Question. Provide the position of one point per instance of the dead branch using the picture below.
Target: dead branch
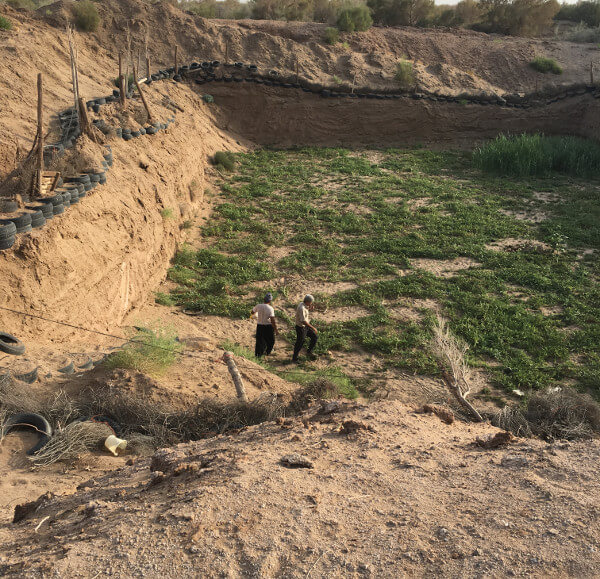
(450, 355)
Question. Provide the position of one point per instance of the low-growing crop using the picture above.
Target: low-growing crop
(385, 224)
(544, 65)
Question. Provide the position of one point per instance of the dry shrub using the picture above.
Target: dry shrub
(560, 413)
(17, 396)
(71, 441)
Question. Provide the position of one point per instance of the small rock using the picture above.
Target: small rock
(553, 531)
(296, 461)
(443, 534)
(514, 461)
(351, 426)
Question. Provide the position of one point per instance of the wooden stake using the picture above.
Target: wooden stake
(226, 51)
(236, 376)
(138, 60)
(353, 83)
(84, 121)
(137, 84)
(147, 67)
(40, 134)
(297, 75)
(121, 80)
(176, 51)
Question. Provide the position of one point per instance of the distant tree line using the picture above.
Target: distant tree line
(514, 17)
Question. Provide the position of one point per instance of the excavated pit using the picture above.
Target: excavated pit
(277, 117)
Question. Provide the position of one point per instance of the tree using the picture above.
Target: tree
(401, 12)
(355, 18)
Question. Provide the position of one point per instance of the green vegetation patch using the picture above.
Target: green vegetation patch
(150, 350)
(397, 228)
(545, 65)
(86, 16)
(5, 23)
(538, 155)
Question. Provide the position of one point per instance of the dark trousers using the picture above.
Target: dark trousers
(301, 333)
(265, 340)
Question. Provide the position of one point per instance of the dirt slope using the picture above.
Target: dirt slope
(410, 496)
(446, 61)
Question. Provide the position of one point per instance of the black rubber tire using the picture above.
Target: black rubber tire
(11, 345)
(68, 369)
(56, 199)
(28, 377)
(32, 420)
(81, 178)
(9, 206)
(8, 230)
(7, 243)
(20, 221)
(45, 208)
(37, 219)
(58, 209)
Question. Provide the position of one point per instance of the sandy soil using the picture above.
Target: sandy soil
(405, 494)
(408, 494)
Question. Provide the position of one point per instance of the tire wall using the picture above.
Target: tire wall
(278, 117)
(95, 263)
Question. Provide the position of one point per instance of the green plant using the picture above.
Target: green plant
(336, 79)
(167, 213)
(86, 16)
(164, 299)
(544, 65)
(5, 23)
(332, 35)
(187, 224)
(354, 19)
(224, 161)
(151, 351)
(208, 98)
(525, 155)
(129, 82)
(405, 74)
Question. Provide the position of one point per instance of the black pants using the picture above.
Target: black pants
(265, 340)
(301, 333)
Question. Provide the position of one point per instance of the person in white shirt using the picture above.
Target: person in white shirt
(304, 328)
(266, 327)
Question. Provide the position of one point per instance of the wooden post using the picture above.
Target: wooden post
(84, 122)
(139, 88)
(297, 75)
(138, 60)
(226, 51)
(121, 81)
(353, 83)
(176, 51)
(235, 374)
(147, 68)
(40, 135)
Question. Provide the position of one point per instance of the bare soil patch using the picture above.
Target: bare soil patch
(513, 244)
(444, 268)
(343, 314)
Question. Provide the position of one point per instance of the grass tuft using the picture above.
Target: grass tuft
(545, 65)
(5, 23)
(151, 351)
(538, 155)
